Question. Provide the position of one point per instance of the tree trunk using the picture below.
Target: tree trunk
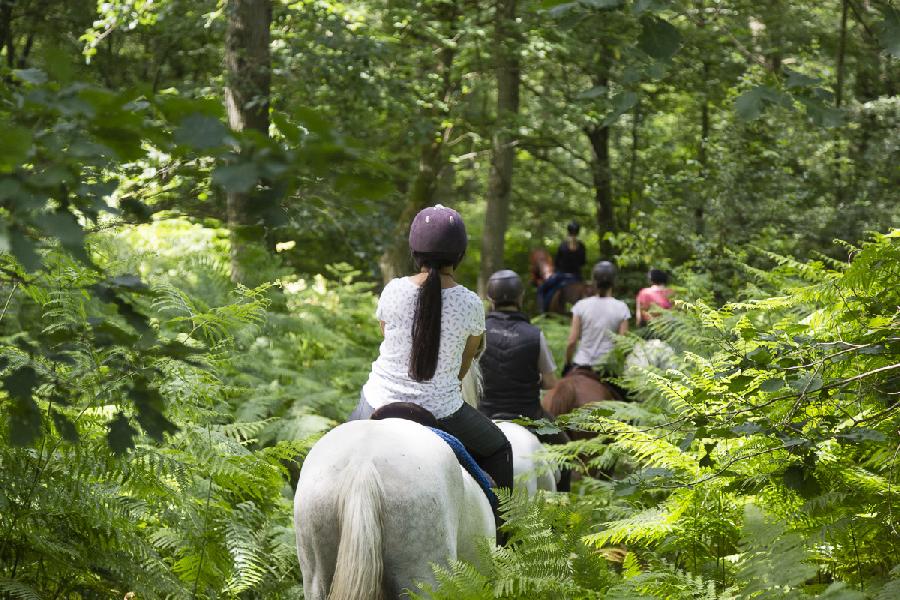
(603, 197)
(840, 183)
(6, 32)
(702, 159)
(700, 195)
(842, 47)
(634, 190)
(248, 81)
(503, 143)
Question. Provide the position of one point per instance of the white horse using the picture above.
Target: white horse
(530, 470)
(379, 502)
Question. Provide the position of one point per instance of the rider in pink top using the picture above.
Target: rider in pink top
(657, 295)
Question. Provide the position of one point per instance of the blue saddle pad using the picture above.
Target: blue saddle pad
(468, 463)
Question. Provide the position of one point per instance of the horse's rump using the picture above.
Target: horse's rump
(392, 478)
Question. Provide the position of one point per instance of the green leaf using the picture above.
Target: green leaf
(130, 282)
(287, 129)
(62, 225)
(201, 132)
(807, 382)
(760, 356)
(149, 403)
(801, 480)
(24, 250)
(822, 114)
(749, 105)
(796, 79)
(240, 178)
(14, 148)
(24, 414)
(658, 38)
(622, 103)
(739, 383)
(594, 92)
(861, 434)
(120, 434)
(20, 383)
(107, 333)
(772, 385)
(65, 427)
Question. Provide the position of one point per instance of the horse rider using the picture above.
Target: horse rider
(517, 361)
(570, 258)
(650, 300)
(571, 254)
(433, 327)
(595, 320)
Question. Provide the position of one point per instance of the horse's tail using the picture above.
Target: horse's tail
(359, 567)
(473, 382)
(473, 385)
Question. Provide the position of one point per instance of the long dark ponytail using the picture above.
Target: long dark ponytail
(426, 328)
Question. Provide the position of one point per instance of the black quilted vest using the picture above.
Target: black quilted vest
(509, 365)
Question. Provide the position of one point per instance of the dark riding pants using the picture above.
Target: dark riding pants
(481, 437)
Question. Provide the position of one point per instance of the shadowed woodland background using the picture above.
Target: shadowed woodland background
(200, 200)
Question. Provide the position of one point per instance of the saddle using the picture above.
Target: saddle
(417, 414)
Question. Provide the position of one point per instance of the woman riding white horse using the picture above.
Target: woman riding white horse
(378, 501)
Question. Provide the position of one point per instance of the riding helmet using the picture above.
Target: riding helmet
(573, 228)
(504, 287)
(604, 273)
(438, 229)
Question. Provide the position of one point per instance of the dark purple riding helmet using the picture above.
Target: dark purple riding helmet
(438, 229)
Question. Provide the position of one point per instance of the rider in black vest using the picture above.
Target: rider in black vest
(516, 362)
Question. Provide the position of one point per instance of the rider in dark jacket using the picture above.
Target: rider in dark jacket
(570, 258)
(516, 362)
(571, 255)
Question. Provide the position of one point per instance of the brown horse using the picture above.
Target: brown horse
(541, 268)
(578, 388)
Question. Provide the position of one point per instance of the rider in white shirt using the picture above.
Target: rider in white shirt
(595, 320)
(433, 328)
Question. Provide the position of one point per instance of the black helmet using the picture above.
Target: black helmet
(658, 277)
(604, 273)
(438, 229)
(573, 228)
(504, 287)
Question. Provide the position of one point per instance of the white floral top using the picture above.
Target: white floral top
(462, 315)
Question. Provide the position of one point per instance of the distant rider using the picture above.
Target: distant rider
(650, 300)
(570, 258)
(595, 320)
(571, 255)
(433, 328)
(517, 361)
